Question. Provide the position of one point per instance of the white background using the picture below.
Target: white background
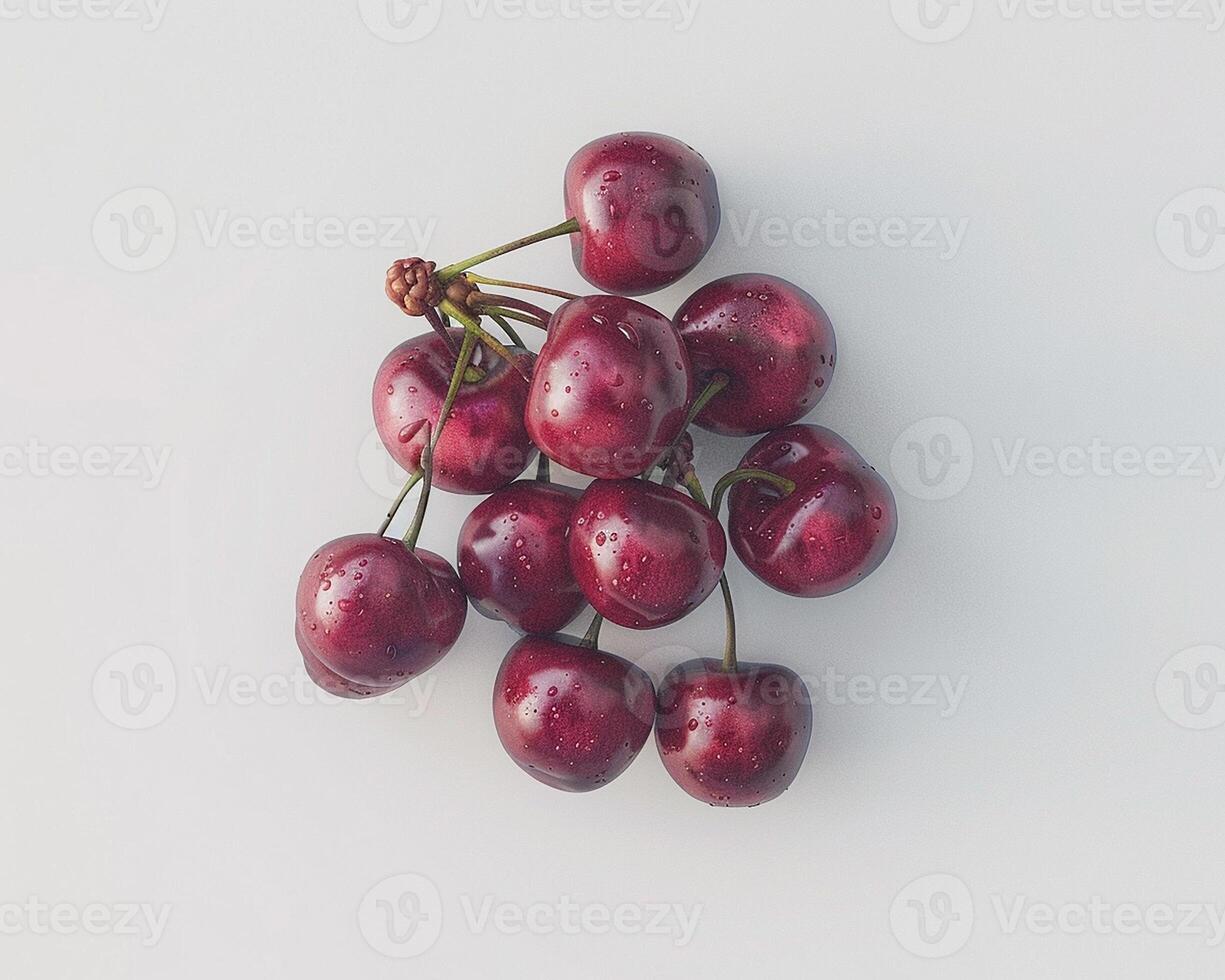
(1074, 309)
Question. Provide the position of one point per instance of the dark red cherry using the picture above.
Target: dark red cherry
(513, 559)
(645, 555)
(572, 717)
(833, 530)
(733, 738)
(771, 339)
(484, 444)
(610, 388)
(371, 614)
(647, 208)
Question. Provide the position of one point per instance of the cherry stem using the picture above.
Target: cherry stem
(543, 469)
(427, 468)
(717, 383)
(473, 328)
(457, 378)
(483, 301)
(694, 486)
(502, 311)
(440, 328)
(511, 333)
(448, 274)
(591, 639)
(530, 287)
(787, 487)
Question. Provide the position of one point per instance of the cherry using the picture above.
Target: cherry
(771, 340)
(645, 555)
(836, 527)
(484, 444)
(733, 737)
(610, 387)
(372, 614)
(571, 716)
(513, 560)
(647, 208)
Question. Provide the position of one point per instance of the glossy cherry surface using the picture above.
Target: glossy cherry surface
(513, 558)
(648, 211)
(733, 738)
(571, 717)
(836, 527)
(484, 444)
(371, 614)
(610, 388)
(645, 555)
(772, 340)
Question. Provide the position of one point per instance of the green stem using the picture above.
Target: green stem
(473, 328)
(591, 639)
(694, 486)
(448, 274)
(511, 333)
(427, 468)
(717, 383)
(530, 287)
(482, 301)
(738, 476)
(515, 315)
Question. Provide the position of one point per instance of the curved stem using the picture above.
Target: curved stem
(543, 467)
(591, 639)
(502, 311)
(717, 383)
(473, 328)
(694, 486)
(457, 378)
(423, 502)
(450, 272)
(483, 301)
(511, 333)
(738, 476)
(530, 287)
(440, 328)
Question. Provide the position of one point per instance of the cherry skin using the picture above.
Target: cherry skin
(647, 208)
(572, 717)
(733, 738)
(645, 555)
(513, 560)
(371, 614)
(484, 444)
(836, 527)
(610, 387)
(772, 340)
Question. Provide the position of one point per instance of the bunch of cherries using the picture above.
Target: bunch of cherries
(611, 395)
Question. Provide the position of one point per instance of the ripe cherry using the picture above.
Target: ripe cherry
(733, 737)
(513, 559)
(773, 342)
(610, 387)
(645, 555)
(484, 444)
(647, 208)
(835, 528)
(372, 614)
(570, 716)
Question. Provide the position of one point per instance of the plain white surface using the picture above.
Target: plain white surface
(1079, 156)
